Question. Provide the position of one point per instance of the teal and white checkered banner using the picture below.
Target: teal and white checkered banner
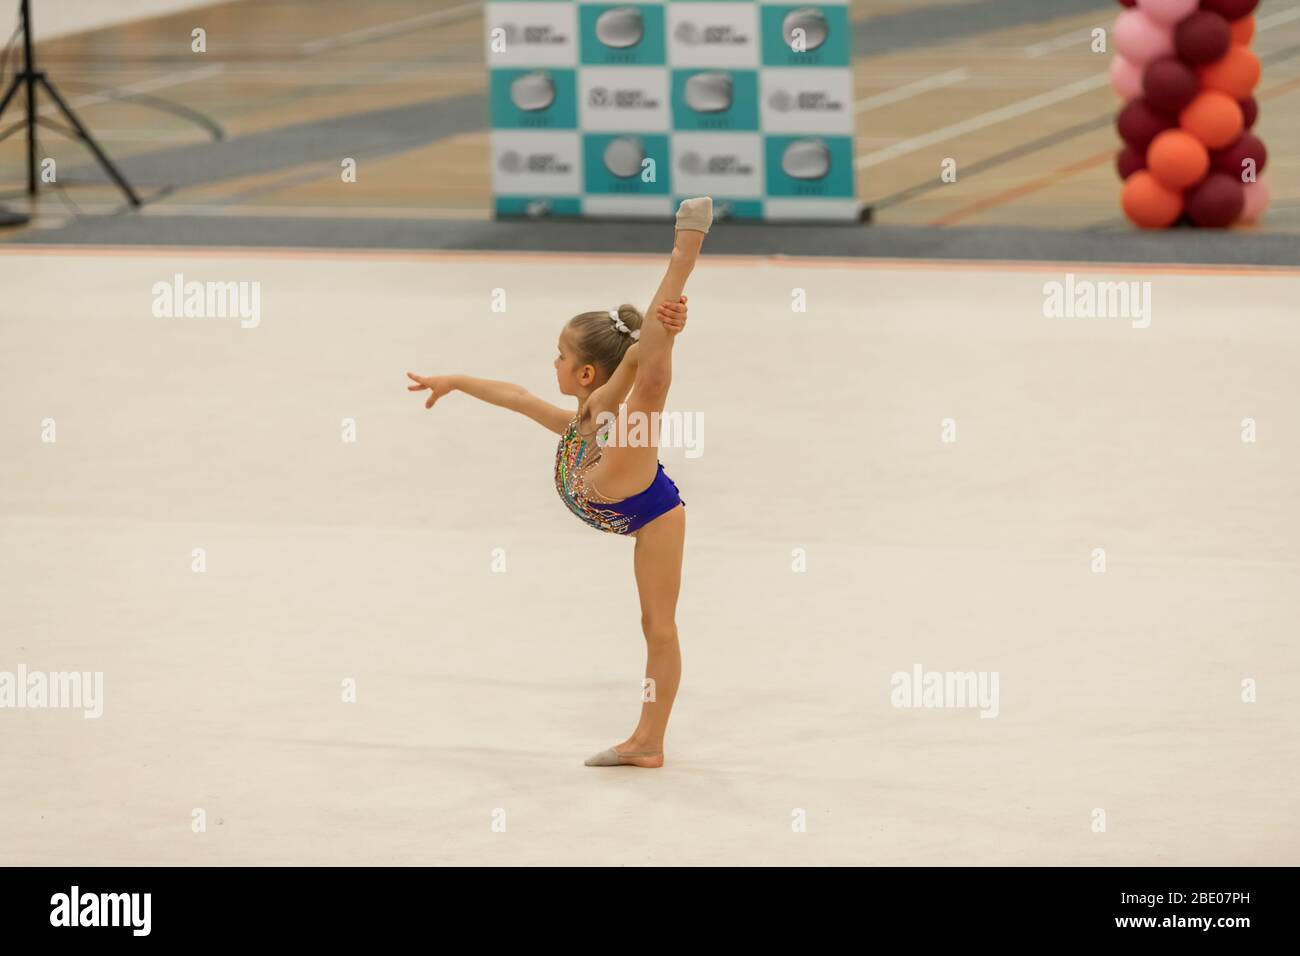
(623, 110)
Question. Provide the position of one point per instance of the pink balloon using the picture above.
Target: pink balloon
(1126, 78)
(1141, 39)
(1168, 11)
(1256, 200)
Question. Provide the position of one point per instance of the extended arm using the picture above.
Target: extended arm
(502, 394)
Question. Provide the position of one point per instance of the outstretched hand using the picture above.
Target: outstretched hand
(438, 386)
(673, 315)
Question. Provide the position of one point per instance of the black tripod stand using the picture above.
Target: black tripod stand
(29, 77)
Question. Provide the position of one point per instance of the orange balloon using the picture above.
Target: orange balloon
(1214, 117)
(1177, 159)
(1243, 30)
(1235, 73)
(1149, 204)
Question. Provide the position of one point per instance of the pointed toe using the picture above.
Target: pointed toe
(606, 758)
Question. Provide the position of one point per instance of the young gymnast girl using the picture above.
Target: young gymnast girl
(620, 487)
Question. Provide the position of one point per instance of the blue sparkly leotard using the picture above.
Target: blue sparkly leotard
(575, 458)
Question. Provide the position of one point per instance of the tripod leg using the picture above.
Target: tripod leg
(86, 138)
(9, 94)
(31, 133)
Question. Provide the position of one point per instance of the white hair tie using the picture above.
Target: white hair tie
(618, 324)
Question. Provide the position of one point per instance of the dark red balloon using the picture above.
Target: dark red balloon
(1230, 160)
(1229, 9)
(1202, 38)
(1128, 161)
(1139, 124)
(1128, 3)
(1250, 110)
(1217, 202)
(1169, 85)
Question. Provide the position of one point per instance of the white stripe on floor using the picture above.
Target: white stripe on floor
(912, 89)
(1058, 43)
(991, 118)
(389, 29)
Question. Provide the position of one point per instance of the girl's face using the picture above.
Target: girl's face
(572, 375)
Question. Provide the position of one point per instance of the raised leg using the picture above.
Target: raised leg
(626, 470)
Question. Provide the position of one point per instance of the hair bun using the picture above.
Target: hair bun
(620, 325)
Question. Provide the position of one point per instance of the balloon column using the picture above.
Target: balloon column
(1187, 76)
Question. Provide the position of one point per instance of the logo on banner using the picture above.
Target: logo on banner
(533, 34)
(720, 34)
(715, 164)
(804, 29)
(805, 101)
(719, 164)
(713, 35)
(622, 99)
(514, 162)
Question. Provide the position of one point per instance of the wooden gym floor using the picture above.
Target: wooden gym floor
(257, 125)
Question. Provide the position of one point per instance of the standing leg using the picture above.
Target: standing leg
(658, 565)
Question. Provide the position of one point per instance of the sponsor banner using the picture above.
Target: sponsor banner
(606, 109)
